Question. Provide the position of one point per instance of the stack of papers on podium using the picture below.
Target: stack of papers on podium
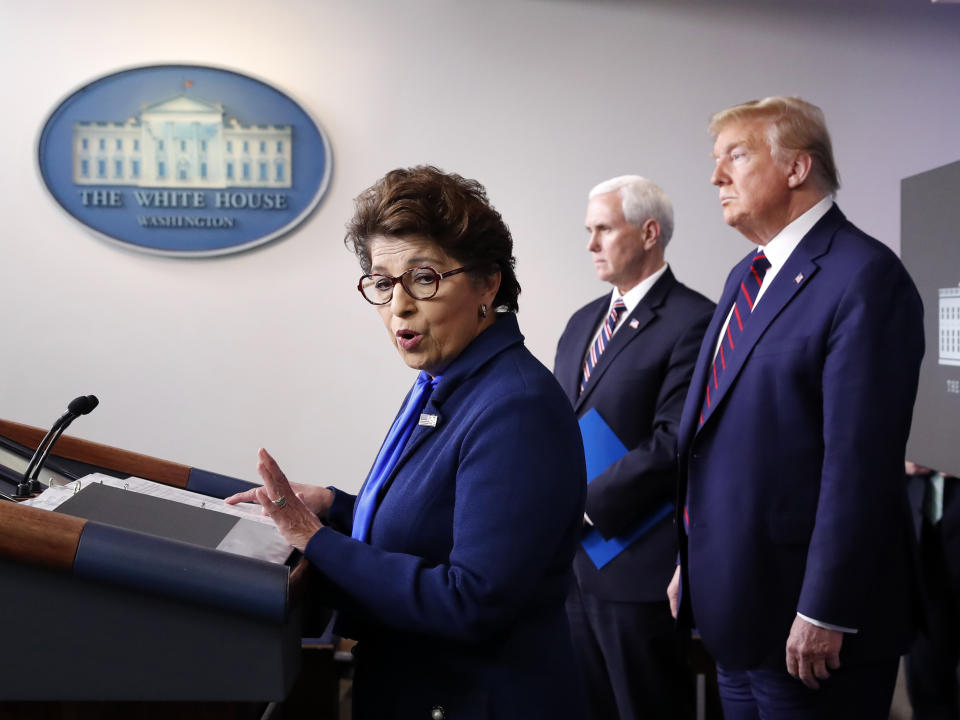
(171, 512)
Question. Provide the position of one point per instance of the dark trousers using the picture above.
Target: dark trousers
(932, 663)
(632, 659)
(863, 692)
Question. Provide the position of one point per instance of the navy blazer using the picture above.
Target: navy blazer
(638, 387)
(457, 601)
(794, 483)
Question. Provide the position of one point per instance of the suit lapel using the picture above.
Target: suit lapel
(420, 433)
(627, 333)
(417, 437)
(629, 329)
(796, 273)
(698, 382)
(582, 337)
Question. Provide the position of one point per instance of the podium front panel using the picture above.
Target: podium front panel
(72, 639)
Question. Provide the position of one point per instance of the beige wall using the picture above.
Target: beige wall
(203, 361)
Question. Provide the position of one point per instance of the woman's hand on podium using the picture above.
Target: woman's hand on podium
(315, 497)
(292, 506)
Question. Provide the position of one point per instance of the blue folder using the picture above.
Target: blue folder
(602, 448)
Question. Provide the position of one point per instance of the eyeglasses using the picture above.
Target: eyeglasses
(420, 283)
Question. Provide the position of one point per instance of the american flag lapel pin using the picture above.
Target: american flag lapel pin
(428, 420)
(798, 279)
(634, 323)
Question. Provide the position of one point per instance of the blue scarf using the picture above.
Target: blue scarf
(389, 455)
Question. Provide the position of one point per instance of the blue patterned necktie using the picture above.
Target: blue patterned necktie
(389, 455)
(603, 339)
(742, 307)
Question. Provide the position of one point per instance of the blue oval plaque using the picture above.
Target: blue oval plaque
(184, 160)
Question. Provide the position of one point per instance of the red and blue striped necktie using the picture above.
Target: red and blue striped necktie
(742, 307)
(602, 340)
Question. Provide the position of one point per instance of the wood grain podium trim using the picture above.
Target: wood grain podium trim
(39, 537)
(124, 461)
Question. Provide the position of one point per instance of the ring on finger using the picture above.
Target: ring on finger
(280, 502)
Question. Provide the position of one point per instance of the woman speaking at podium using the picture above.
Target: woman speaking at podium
(451, 566)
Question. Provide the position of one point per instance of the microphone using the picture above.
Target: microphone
(77, 407)
(82, 405)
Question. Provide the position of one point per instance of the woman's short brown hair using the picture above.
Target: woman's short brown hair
(448, 209)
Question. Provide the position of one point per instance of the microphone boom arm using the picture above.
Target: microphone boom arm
(77, 407)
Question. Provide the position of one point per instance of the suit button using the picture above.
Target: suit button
(437, 713)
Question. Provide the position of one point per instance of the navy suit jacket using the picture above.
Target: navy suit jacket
(457, 601)
(794, 483)
(638, 387)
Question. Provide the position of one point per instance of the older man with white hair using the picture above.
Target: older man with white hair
(625, 360)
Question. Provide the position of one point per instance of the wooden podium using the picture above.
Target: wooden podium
(97, 612)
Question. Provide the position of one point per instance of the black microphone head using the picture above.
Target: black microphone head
(82, 405)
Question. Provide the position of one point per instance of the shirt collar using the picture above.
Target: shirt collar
(785, 242)
(633, 296)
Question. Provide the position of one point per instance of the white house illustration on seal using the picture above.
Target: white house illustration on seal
(183, 142)
(949, 308)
